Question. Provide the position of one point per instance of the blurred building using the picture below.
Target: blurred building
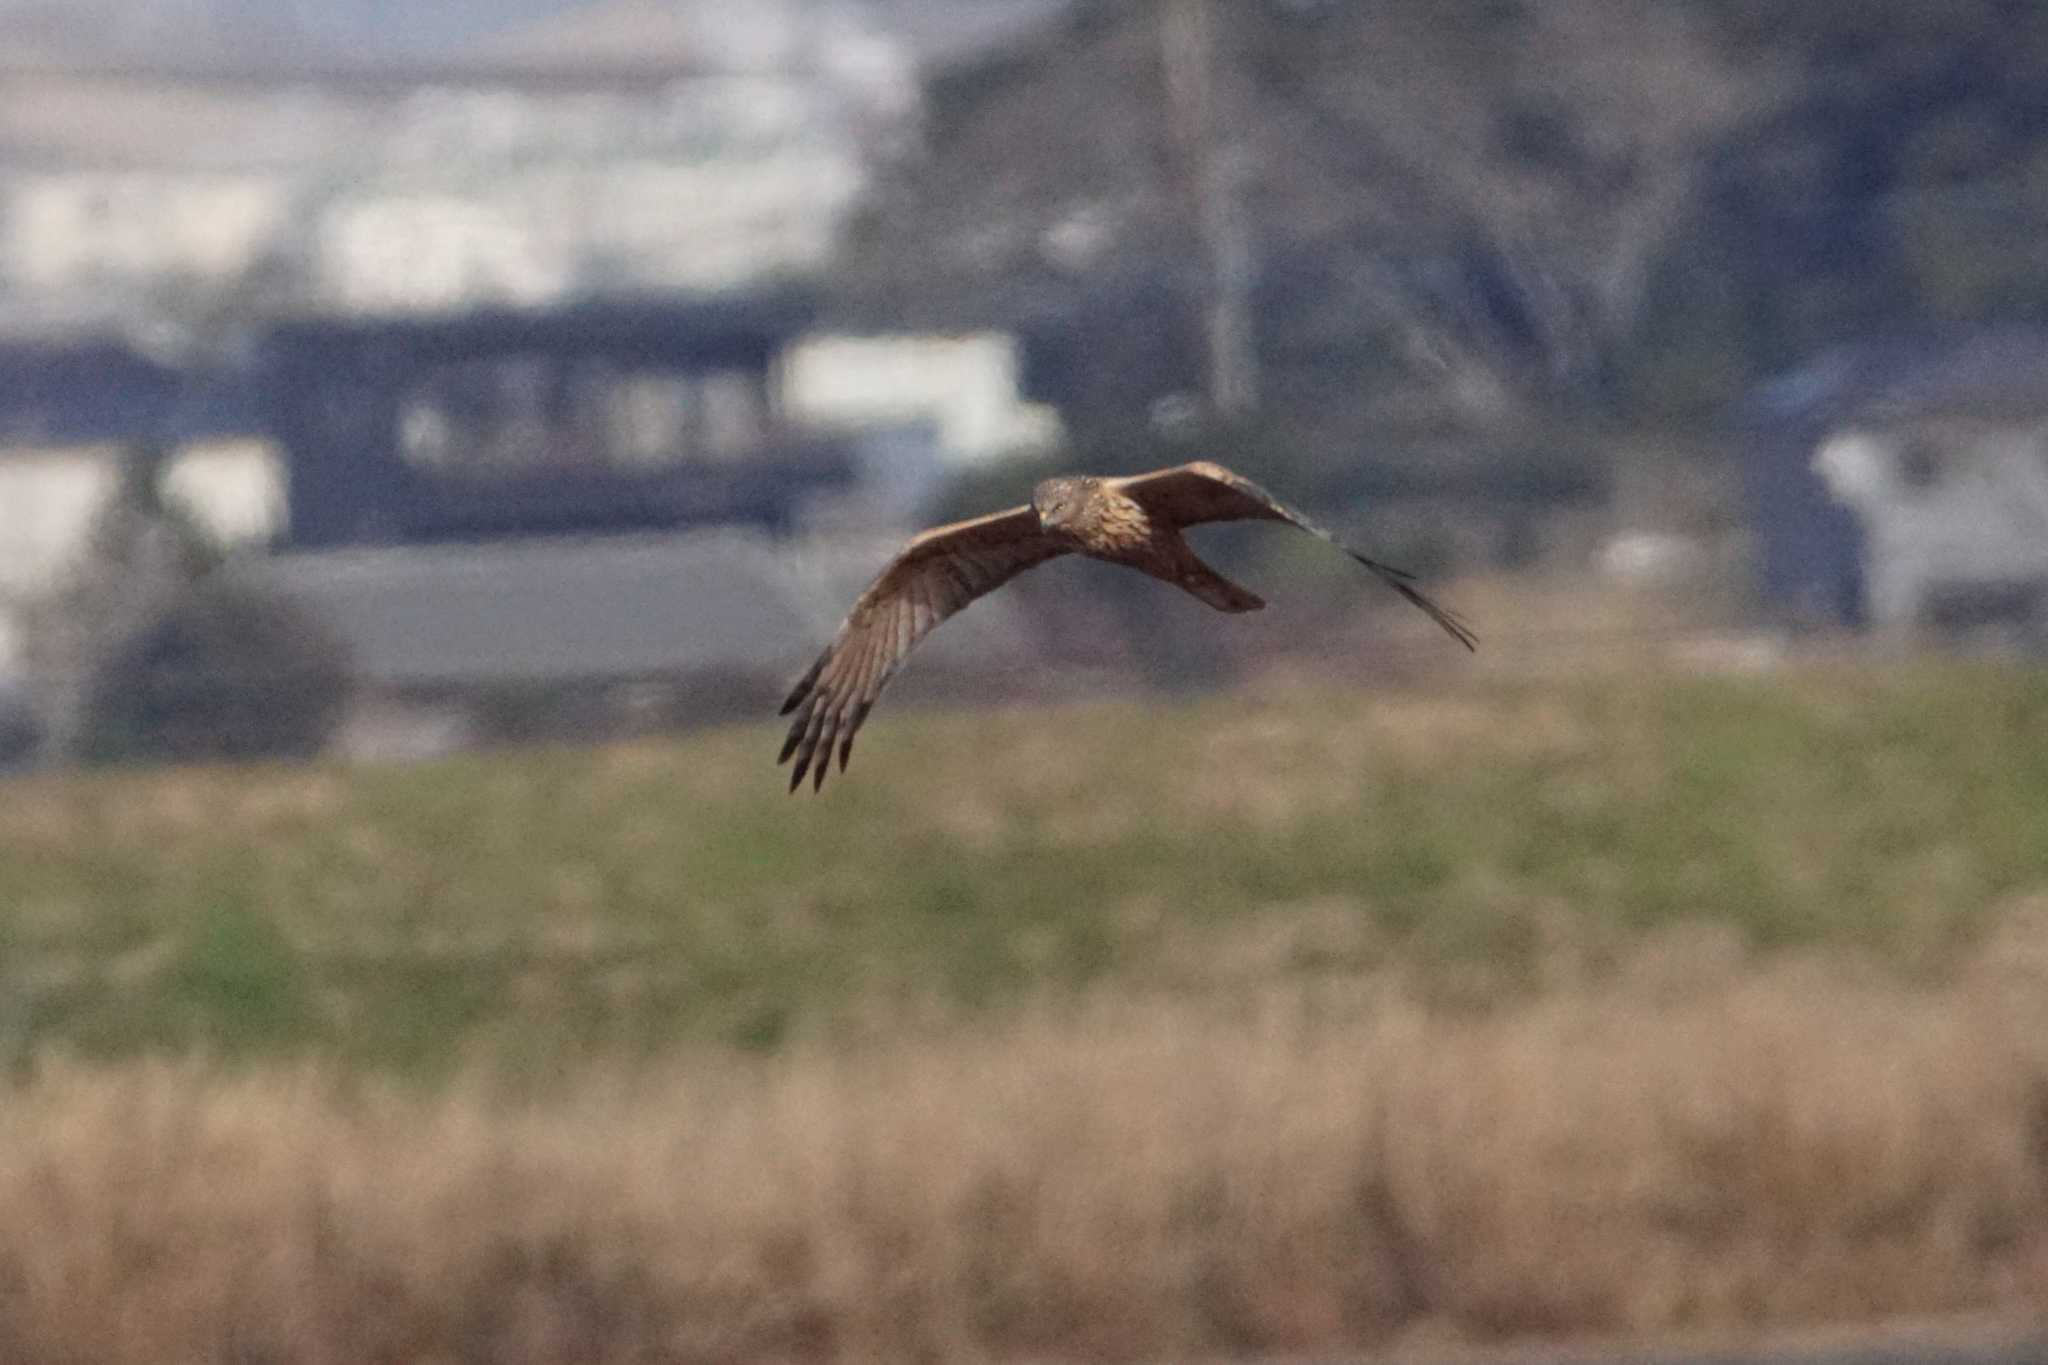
(605, 147)
(71, 408)
(130, 195)
(1905, 485)
(968, 387)
(505, 520)
(582, 514)
(489, 343)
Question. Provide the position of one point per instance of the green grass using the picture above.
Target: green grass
(531, 907)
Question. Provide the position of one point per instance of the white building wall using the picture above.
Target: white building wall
(427, 250)
(1983, 520)
(234, 490)
(967, 386)
(79, 229)
(47, 504)
(459, 194)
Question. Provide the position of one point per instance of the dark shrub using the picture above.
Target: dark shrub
(225, 671)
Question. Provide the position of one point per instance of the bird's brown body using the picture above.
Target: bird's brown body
(1133, 521)
(1108, 525)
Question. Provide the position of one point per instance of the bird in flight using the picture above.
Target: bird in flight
(1134, 521)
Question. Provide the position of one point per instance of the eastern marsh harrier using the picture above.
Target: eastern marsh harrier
(1133, 521)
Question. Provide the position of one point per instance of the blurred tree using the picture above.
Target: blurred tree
(1891, 189)
(1489, 209)
(1469, 200)
(138, 593)
(1538, 158)
(139, 557)
(147, 652)
(218, 671)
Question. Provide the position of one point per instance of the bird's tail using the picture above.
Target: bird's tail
(1203, 582)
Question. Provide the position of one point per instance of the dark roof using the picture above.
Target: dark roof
(765, 317)
(551, 611)
(1986, 371)
(79, 389)
(600, 608)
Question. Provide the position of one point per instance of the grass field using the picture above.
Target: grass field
(529, 907)
(1305, 1019)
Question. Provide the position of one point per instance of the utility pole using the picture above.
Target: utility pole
(1197, 112)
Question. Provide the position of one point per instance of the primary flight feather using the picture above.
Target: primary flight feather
(1134, 521)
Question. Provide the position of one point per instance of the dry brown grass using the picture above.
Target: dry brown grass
(1329, 1168)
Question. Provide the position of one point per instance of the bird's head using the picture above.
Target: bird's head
(1057, 500)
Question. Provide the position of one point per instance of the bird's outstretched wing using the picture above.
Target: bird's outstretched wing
(937, 574)
(1191, 494)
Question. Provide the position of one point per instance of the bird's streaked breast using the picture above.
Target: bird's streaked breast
(1112, 526)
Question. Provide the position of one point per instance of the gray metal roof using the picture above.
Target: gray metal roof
(585, 609)
(549, 611)
(1992, 371)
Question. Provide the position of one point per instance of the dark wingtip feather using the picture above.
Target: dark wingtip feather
(805, 753)
(811, 739)
(804, 756)
(1453, 625)
(1401, 581)
(820, 724)
(795, 736)
(802, 740)
(828, 734)
(805, 684)
(853, 724)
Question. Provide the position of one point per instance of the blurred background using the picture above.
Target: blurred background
(433, 434)
(388, 380)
